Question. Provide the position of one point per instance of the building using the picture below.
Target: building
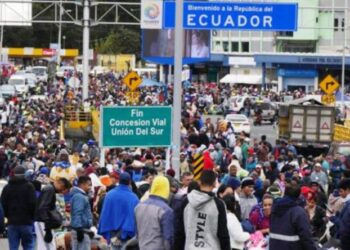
(292, 60)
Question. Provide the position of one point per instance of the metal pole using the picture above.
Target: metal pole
(343, 57)
(343, 78)
(1, 42)
(59, 35)
(179, 43)
(86, 41)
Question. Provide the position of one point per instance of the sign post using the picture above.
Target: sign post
(135, 126)
(132, 80)
(329, 85)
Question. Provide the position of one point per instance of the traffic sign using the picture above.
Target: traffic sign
(297, 124)
(133, 96)
(135, 126)
(239, 16)
(325, 126)
(329, 85)
(132, 80)
(328, 99)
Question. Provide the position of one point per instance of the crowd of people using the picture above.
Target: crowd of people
(251, 194)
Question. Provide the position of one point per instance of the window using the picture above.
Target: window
(336, 24)
(234, 46)
(342, 24)
(225, 46)
(245, 46)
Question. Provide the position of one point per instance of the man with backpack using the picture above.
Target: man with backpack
(47, 217)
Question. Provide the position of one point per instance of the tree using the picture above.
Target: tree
(121, 41)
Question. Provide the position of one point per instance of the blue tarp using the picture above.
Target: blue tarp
(338, 97)
(150, 83)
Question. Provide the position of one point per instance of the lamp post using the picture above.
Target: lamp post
(59, 34)
(64, 41)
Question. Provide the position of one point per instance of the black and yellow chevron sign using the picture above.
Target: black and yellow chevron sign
(197, 165)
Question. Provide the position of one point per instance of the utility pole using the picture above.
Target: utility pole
(343, 55)
(1, 42)
(59, 35)
(179, 44)
(86, 41)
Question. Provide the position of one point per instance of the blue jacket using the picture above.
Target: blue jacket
(290, 228)
(81, 216)
(344, 226)
(118, 213)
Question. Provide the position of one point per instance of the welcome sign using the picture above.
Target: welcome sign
(239, 16)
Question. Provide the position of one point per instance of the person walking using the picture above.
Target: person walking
(247, 200)
(81, 215)
(202, 222)
(18, 201)
(117, 221)
(47, 217)
(155, 219)
(289, 223)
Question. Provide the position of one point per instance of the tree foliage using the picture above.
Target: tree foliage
(121, 41)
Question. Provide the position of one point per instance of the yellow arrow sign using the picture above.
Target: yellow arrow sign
(329, 85)
(328, 99)
(132, 80)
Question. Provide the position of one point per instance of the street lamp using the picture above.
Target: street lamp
(61, 13)
(64, 41)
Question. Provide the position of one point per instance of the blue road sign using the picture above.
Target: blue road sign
(236, 16)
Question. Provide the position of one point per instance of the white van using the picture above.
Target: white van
(20, 84)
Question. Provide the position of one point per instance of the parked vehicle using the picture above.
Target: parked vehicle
(268, 111)
(60, 72)
(239, 123)
(237, 103)
(7, 90)
(20, 84)
(307, 124)
(41, 73)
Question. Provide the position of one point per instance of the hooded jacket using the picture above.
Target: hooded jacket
(158, 216)
(202, 223)
(290, 228)
(18, 201)
(81, 216)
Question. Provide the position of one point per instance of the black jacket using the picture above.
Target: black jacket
(46, 203)
(18, 201)
(290, 220)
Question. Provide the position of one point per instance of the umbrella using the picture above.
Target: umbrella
(150, 83)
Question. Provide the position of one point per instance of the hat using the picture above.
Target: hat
(233, 183)
(248, 181)
(19, 171)
(124, 178)
(160, 187)
(170, 172)
(318, 165)
(44, 170)
(258, 166)
(275, 191)
(115, 175)
(106, 180)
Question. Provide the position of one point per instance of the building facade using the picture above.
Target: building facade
(292, 60)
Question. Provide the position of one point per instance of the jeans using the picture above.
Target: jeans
(84, 245)
(21, 234)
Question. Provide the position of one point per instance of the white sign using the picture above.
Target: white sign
(241, 61)
(16, 12)
(151, 14)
